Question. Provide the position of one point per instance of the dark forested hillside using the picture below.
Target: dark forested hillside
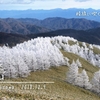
(90, 36)
(11, 39)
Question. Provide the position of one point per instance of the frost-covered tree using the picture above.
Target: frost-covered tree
(37, 54)
(91, 46)
(82, 80)
(1, 72)
(8, 64)
(84, 44)
(41, 54)
(96, 82)
(72, 73)
(76, 78)
(82, 50)
(66, 61)
(21, 67)
(78, 63)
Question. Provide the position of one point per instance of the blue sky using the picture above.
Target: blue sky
(48, 4)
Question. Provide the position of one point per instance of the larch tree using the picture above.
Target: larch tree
(72, 73)
(96, 82)
(78, 63)
(1, 72)
(82, 80)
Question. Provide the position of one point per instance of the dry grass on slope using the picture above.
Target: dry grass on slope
(59, 90)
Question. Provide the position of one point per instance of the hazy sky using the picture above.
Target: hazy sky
(47, 4)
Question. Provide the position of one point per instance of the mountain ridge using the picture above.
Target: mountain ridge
(33, 26)
(11, 25)
(55, 23)
(91, 36)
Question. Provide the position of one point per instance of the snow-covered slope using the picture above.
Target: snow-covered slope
(41, 54)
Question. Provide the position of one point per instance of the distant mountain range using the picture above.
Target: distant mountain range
(90, 14)
(34, 26)
(11, 25)
(56, 23)
(23, 29)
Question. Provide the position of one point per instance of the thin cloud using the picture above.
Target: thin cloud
(23, 1)
(82, 0)
(16, 1)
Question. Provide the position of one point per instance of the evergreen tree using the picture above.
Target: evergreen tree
(96, 82)
(1, 72)
(72, 73)
(78, 63)
(82, 80)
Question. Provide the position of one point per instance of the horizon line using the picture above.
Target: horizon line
(47, 9)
